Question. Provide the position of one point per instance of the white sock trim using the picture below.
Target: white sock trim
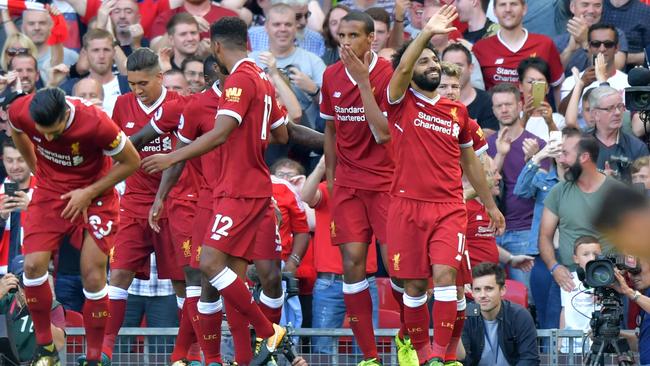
(271, 302)
(193, 291)
(396, 287)
(461, 304)
(223, 279)
(33, 282)
(180, 301)
(116, 293)
(445, 293)
(414, 302)
(208, 308)
(96, 295)
(355, 288)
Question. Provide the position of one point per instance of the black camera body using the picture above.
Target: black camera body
(599, 272)
(637, 95)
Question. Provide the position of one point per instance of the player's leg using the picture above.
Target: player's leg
(39, 293)
(271, 298)
(444, 308)
(209, 315)
(186, 336)
(417, 317)
(238, 323)
(95, 310)
(397, 290)
(190, 310)
(463, 276)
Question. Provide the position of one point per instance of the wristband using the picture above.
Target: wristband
(314, 93)
(555, 267)
(296, 258)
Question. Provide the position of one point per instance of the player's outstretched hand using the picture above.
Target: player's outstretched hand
(156, 163)
(440, 22)
(78, 203)
(358, 69)
(154, 214)
(497, 221)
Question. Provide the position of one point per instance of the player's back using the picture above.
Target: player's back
(294, 218)
(362, 162)
(248, 97)
(80, 155)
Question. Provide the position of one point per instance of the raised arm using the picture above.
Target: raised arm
(438, 24)
(310, 193)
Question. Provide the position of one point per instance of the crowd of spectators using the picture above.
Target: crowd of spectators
(550, 159)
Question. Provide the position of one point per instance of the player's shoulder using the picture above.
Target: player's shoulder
(383, 65)
(485, 43)
(539, 39)
(336, 68)
(20, 105)
(125, 100)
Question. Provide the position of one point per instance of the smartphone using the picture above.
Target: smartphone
(539, 92)
(11, 188)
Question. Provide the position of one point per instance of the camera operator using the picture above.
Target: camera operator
(640, 294)
(14, 306)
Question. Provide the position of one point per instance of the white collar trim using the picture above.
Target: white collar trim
(516, 49)
(373, 63)
(425, 98)
(161, 98)
(72, 112)
(215, 87)
(245, 59)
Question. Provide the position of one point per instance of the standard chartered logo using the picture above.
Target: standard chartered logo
(437, 124)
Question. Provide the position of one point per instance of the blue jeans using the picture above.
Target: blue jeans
(69, 292)
(328, 311)
(546, 294)
(161, 312)
(517, 242)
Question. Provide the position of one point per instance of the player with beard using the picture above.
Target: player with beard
(430, 137)
(248, 116)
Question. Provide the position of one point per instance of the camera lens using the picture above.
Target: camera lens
(601, 274)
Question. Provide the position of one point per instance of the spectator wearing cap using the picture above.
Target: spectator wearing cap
(14, 306)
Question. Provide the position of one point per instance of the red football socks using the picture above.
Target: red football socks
(359, 311)
(116, 308)
(400, 301)
(241, 334)
(185, 336)
(239, 297)
(39, 303)
(444, 317)
(417, 325)
(455, 336)
(95, 314)
(210, 340)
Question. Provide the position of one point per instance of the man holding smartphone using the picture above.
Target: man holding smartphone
(15, 195)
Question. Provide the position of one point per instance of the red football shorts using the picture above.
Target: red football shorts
(44, 228)
(267, 241)
(234, 225)
(357, 214)
(418, 227)
(181, 218)
(202, 219)
(136, 240)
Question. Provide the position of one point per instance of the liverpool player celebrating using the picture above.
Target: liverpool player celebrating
(247, 114)
(359, 168)
(427, 214)
(73, 143)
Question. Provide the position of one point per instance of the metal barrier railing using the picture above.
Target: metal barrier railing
(153, 346)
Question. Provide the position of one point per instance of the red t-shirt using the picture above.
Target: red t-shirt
(480, 240)
(216, 12)
(480, 144)
(149, 11)
(499, 63)
(249, 98)
(361, 162)
(132, 116)
(198, 119)
(427, 136)
(327, 257)
(81, 155)
(294, 219)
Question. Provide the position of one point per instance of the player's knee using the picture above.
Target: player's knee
(34, 268)
(121, 278)
(444, 275)
(192, 276)
(94, 280)
(415, 288)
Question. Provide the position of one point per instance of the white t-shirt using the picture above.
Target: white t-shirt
(538, 127)
(111, 92)
(578, 306)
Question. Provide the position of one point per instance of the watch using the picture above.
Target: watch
(314, 93)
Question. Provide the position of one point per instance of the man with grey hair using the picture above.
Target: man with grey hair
(304, 38)
(89, 89)
(617, 149)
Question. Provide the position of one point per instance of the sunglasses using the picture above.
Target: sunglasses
(17, 51)
(306, 15)
(607, 44)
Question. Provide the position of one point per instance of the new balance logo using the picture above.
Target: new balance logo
(337, 94)
(130, 124)
(37, 139)
(499, 61)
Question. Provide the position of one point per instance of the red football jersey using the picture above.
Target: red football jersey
(481, 242)
(294, 219)
(81, 155)
(198, 119)
(248, 97)
(361, 162)
(479, 145)
(132, 115)
(499, 63)
(427, 136)
(327, 257)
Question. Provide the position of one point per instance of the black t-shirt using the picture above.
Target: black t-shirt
(481, 110)
(476, 36)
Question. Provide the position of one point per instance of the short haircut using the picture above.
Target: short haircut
(587, 143)
(210, 69)
(458, 47)
(640, 163)
(75, 86)
(450, 70)
(172, 72)
(380, 15)
(599, 93)
(48, 106)
(535, 63)
(143, 59)
(191, 58)
(279, 8)
(327, 35)
(488, 269)
(360, 16)
(599, 26)
(494, 5)
(506, 88)
(619, 201)
(23, 55)
(286, 162)
(397, 56)
(180, 18)
(231, 31)
(585, 239)
(8, 143)
(96, 33)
